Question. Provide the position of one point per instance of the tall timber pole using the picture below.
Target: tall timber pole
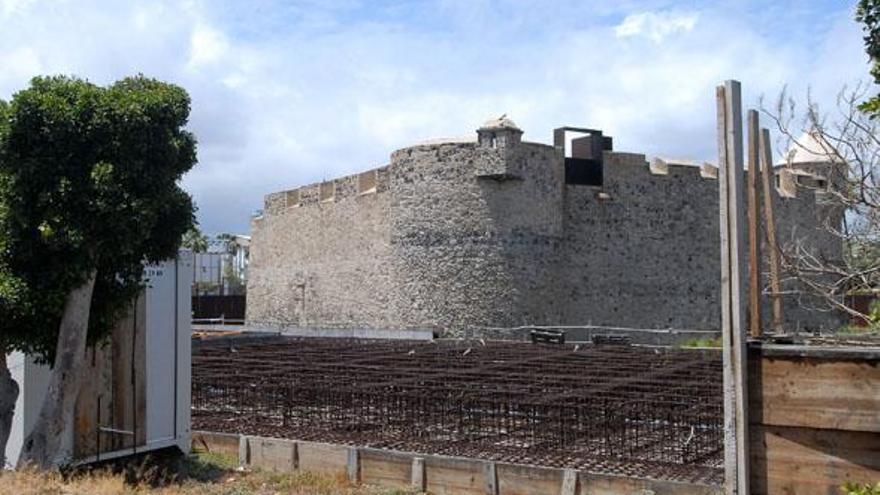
(733, 300)
(770, 225)
(754, 132)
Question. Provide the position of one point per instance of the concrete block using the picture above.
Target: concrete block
(272, 453)
(454, 476)
(527, 480)
(323, 458)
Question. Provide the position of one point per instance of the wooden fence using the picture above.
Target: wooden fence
(814, 418)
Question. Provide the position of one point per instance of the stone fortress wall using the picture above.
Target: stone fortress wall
(498, 232)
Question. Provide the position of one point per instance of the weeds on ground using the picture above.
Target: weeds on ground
(873, 328)
(702, 343)
(871, 325)
(861, 489)
(203, 474)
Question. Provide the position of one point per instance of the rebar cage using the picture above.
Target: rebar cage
(625, 409)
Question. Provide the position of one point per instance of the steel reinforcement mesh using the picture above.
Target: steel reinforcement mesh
(622, 409)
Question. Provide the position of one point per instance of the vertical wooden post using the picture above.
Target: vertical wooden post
(770, 226)
(491, 472)
(569, 482)
(418, 474)
(754, 224)
(730, 178)
(244, 451)
(726, 336)
(353, 467)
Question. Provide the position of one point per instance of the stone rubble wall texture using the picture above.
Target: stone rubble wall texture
(457, 236)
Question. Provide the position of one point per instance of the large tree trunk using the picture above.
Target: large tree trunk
(8, 396)
(49, 444)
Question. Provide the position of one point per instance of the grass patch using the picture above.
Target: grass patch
(702, 343)
(859, 330)
(200, 474)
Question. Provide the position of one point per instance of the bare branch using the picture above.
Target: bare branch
(842, 151)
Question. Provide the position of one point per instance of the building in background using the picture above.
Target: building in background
(223, 269)
(492, 231)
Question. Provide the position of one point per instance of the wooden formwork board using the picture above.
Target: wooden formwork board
(810, 461)
(815, 419)
(816, 393)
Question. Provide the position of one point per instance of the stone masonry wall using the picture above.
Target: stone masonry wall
(803, 219)
(647, 255)
(459, 235)
(323, 263)
(469, 249)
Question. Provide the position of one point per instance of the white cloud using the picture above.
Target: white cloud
(285, 95)
(13, 6)
(20, 63)
(207, 45)
(656, 26)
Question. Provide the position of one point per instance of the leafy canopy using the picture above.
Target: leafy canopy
(88, 181)
(195, 240)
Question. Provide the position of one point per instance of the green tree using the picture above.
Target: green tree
(89, 191)
(234, 284)
(228, 243)
(868, 13)
(195, 240)
(861, 488)
(11, 292)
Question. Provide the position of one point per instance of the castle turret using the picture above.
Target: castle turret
(499, 133)
(812, 162)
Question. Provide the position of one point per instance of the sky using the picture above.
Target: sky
(287, 93)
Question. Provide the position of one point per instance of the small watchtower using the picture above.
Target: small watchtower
(499, 133)
(810, 162)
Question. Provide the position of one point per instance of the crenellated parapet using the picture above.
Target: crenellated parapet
(662, 166)
(789, 181)
(362, 184)
(499, 154)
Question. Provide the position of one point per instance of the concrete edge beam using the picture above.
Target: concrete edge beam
(572, 481)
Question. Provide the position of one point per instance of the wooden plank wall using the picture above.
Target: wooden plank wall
(113, 393)
(815, 422)
(93, 404)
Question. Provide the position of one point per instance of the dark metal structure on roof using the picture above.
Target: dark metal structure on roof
(584, 164)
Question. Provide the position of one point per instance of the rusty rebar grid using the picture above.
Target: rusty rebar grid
(613, 406)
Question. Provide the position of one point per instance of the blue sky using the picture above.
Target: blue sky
(292, 92)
